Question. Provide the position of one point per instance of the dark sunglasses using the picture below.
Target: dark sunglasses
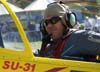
(52, 21)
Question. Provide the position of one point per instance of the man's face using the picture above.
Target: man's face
(54, 27)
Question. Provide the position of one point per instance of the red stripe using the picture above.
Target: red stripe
(56, 69)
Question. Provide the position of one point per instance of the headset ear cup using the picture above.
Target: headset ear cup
(43, 28)
(70, 19)
(67, 21)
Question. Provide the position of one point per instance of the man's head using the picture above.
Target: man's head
(62, 11)
(57, 18)
(55, 9)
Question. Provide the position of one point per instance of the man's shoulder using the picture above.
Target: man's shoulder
(80, 31)
(84, 35)
(79, 35)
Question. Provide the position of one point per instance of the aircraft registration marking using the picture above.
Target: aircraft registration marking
(26, 67)
(16, 65)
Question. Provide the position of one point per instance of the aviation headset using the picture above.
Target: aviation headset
(68, 17)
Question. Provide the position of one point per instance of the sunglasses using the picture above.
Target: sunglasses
(52, 21)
